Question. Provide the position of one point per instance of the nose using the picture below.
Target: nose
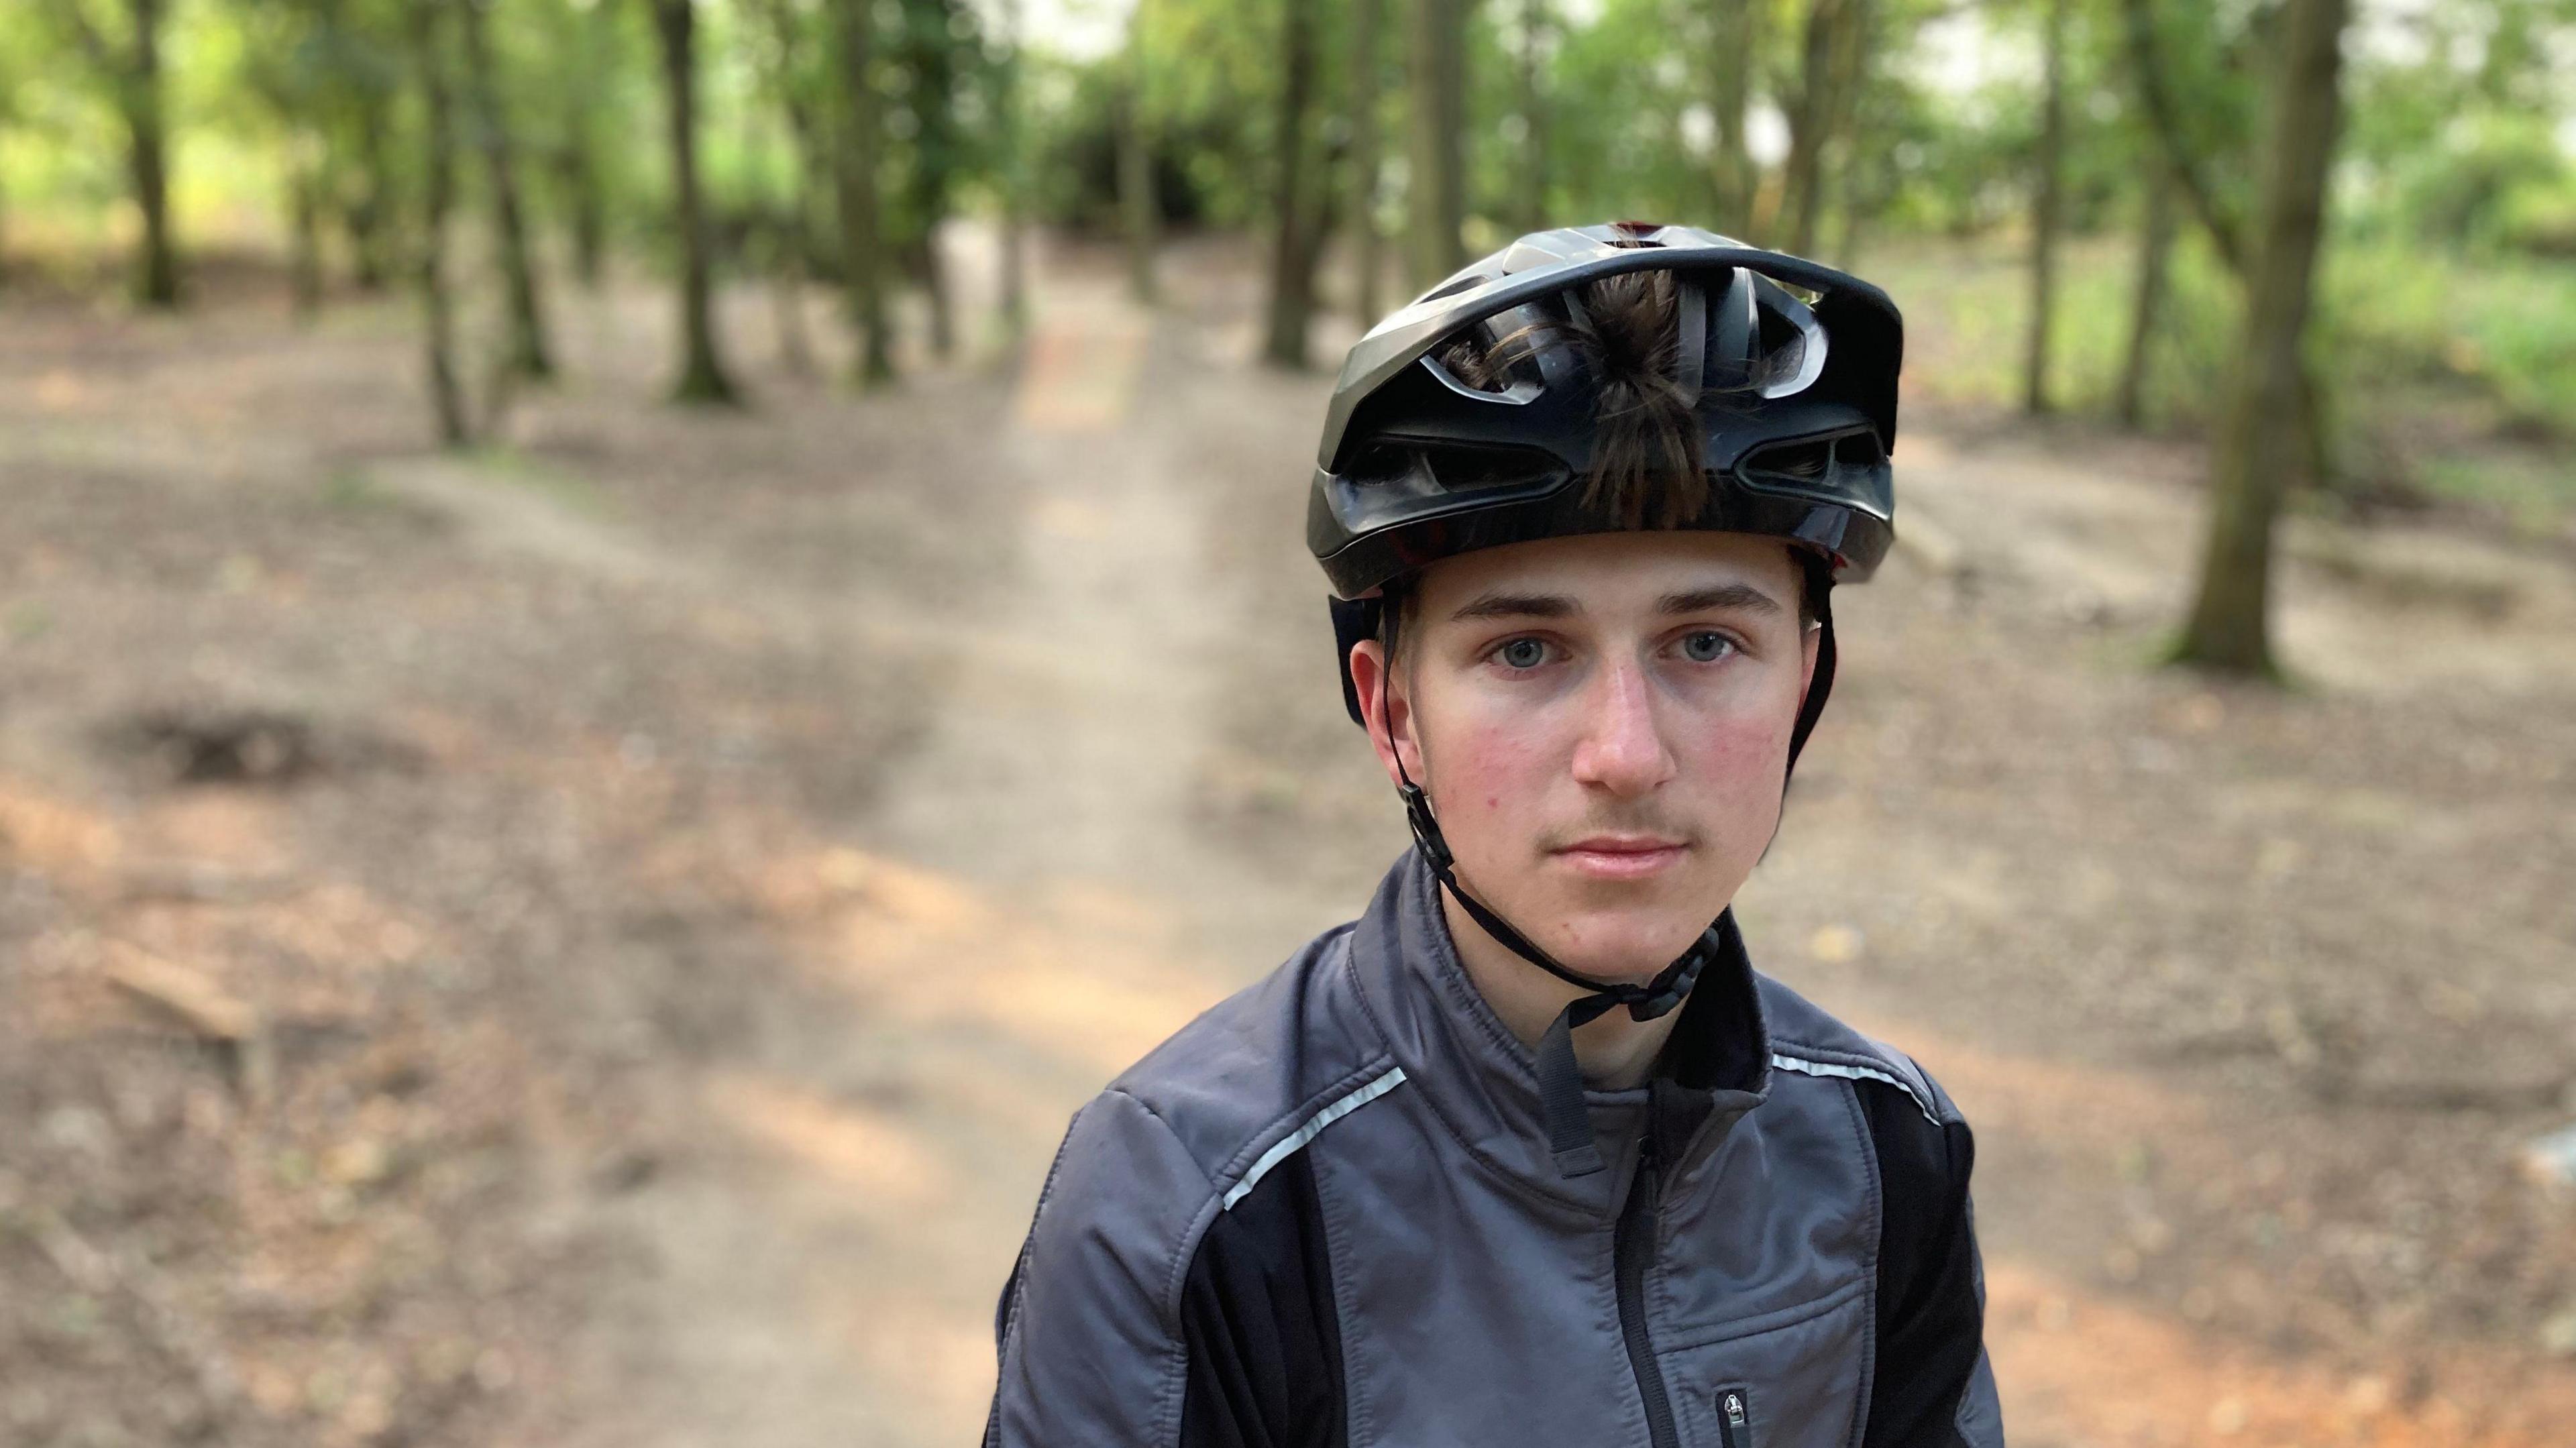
(1623, 752)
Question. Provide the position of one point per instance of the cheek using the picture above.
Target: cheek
(1491, 772)
(1740, 761)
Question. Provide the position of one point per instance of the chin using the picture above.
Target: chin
(1625, 945)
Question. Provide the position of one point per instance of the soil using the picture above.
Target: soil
(595, 941)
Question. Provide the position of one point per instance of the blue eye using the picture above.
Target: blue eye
(1706, 647)
(1522, 654)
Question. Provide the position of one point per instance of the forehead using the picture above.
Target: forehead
(1613, 572)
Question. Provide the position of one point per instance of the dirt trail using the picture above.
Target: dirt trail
(1032, 909)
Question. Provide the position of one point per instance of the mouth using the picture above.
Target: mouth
(1622, 857)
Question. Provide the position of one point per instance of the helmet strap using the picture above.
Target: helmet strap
(1820, 685)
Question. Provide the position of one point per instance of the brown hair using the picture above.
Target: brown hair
(1648, 466)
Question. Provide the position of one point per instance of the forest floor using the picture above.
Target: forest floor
(594, 941)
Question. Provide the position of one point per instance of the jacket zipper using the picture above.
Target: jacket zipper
(1632, 1246)
(1733, 1428)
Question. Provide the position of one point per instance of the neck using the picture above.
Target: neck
(1616, 1051)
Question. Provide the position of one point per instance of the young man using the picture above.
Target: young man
(1529, 1154)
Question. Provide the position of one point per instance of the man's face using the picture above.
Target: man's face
(1602, 724)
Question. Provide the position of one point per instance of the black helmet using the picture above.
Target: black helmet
(1789, 367)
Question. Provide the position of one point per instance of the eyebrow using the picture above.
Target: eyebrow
(1731, 595)
(1517, 605)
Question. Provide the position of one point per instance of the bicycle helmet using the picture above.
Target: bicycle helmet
(1474, 417)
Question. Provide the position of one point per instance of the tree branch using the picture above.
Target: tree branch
(2164, 121)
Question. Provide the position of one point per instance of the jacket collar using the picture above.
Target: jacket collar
(1483, 1083)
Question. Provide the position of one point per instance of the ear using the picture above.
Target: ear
(1388, 713)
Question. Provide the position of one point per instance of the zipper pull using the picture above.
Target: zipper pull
(1735, 1429)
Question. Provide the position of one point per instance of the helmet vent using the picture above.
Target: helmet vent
(1380, 464)
(1812, 460)
(1450, 288)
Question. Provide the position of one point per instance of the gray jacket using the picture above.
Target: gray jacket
(1325, 1213)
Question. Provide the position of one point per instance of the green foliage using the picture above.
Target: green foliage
(2447, 284)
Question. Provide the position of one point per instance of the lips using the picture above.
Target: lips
(1622, 857)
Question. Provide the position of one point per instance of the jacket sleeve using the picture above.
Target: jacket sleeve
(1090, 1336)
(1932, 1386)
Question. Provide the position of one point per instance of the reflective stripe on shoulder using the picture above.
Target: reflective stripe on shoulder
(1295, 1141)
(1805, 1067)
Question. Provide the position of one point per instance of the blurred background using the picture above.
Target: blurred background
(638, 640)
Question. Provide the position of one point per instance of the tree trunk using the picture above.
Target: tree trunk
(1810, 121)
(438, 189)
(576, 161)
(931, 270)
(1437, 184)
(1013, 129)
(862, 265)
(304, 225)
(702, 375)
(527, 355)
(2046, 203)
(156, 282)
(1292, 284)
(1368, 260)
(2229, 627)
(1731, 97)
(787, 290)
(1137, 204)
(1842, 124)
(1532, 192)
(2155, 251)
(929, 57)
(365, 218)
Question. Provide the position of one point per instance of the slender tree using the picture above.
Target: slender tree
(527, 354)
(130, 67)
(1368, 260)
(304, 222)
(786, 229)
(2229, 625)
(2189, 165)
(1735, 32)
(363, 66)
(1436, 185)
(2048, 184)
(862, 208)
(935, 152)
(438, 192)
(702, 374)
(1531, 193)
(1292, 277)
(589, 41)
(1137, 203)
(1012, 128)
(2155, 251)
(366, 212)
(1816, 104)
